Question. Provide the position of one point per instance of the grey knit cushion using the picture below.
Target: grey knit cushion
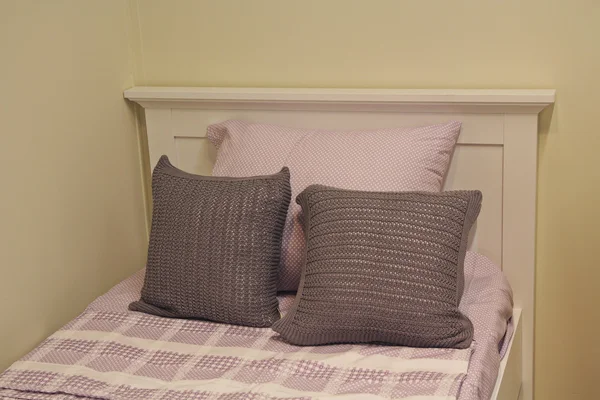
(382, 267)
(215, 246)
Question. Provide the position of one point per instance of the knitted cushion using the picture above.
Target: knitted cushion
(392, 159)
(382, 267)
(214, 246)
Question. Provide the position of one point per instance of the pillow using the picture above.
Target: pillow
(382, 267)
(214, 246)
(395, 159)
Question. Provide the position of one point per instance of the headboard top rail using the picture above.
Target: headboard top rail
(531, 100)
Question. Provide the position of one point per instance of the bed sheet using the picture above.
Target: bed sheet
(109, 352)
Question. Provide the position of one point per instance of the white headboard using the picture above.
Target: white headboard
(497, 151)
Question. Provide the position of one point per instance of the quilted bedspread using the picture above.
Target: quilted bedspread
(109, 352)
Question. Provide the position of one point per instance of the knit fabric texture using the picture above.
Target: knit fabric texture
(382, 267)
(215, 246)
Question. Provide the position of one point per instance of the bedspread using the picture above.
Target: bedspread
(111, 353)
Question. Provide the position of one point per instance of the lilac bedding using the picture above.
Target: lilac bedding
(109, 352)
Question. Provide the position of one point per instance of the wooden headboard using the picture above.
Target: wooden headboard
(497, 151)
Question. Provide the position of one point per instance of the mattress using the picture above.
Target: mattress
(109, 352)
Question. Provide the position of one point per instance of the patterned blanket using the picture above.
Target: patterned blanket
(110, 353)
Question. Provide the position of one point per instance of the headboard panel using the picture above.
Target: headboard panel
(497, 151)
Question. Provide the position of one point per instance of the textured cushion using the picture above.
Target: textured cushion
(382, 267)
(395, 159)
(215, 246)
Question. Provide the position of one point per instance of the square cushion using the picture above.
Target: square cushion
(382, 267)
(215, 246)
(394, 159)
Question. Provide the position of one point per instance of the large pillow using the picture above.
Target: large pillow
(395, 159)
(214, 246)
(382, 267)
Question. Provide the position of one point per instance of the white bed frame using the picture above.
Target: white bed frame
(497, 154)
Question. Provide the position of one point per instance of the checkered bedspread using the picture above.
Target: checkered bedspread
(110, 353)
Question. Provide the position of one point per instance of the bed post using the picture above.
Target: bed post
(160, 136)
(519, 220)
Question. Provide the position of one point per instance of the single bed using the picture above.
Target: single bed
(120, 354)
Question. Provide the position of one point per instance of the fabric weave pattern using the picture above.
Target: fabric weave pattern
(383, 267)
(215, 246)
(169, 359)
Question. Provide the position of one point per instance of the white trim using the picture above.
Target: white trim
(455, 96)
(498, 101)
(497, 153)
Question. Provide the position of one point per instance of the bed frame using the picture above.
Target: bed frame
(497, 154)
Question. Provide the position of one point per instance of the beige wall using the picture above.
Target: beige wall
(72, 221)
(434, 44)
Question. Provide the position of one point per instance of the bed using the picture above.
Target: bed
(131, 355)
